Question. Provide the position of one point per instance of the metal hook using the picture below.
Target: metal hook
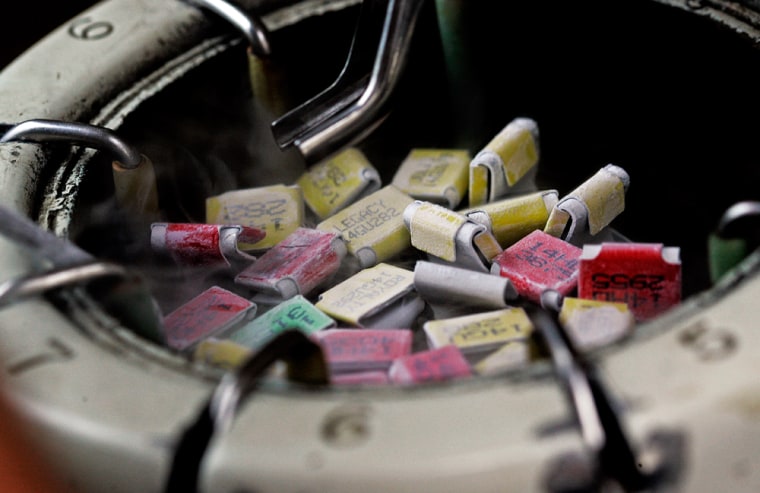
(248, 24)
(68, 264)
(23, 287)
(735, 237)
(43, 130)
(736, 216)
(305, 363)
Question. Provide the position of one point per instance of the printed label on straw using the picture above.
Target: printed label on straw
(375, 222)
(307, 257)
(479, 331)
(193, 244)
(645, 276)
(364, 349)
(294, 313)
(210, 313)
(538, 262)
(333, 184)
(366, 292)
(276, 209)
(428, 366)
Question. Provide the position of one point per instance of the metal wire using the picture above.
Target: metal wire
(252, 28)
(44, 130)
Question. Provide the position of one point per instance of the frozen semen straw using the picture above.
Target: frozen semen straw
(373, 227)
(379, 297)
(434, 175)
(441, 283)
(450, 236)
(336, 182)
(592, 324)
(221, 353)
(479, 333)
(212, 313)
(513, 218)
(589, 324)
(276, 209)
(645, 276)
(539, 262)
(580, 216)
(511, 356)
(507, 164)
(203, 244)
(434, 365)
(294, 313)
(352, 350)
(300, 263)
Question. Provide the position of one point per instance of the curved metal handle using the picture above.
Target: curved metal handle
(254, 30)
(44, 130)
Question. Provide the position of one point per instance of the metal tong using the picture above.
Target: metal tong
(355, 104)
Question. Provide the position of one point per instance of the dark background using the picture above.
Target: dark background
(27, 21)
